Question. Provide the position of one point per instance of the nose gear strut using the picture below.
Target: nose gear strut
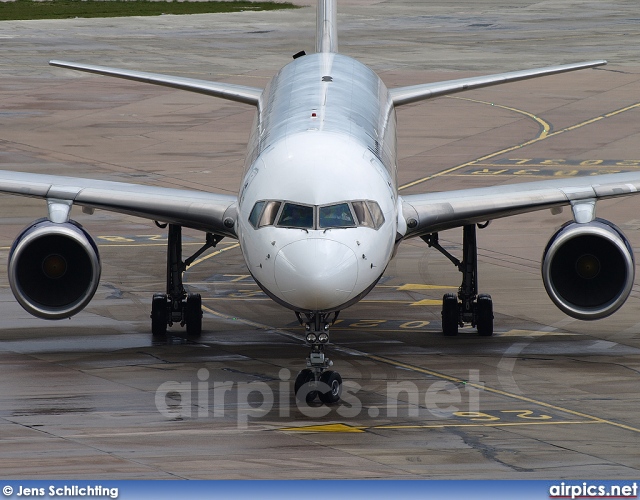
(316, 381)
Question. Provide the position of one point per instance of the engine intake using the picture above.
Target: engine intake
(54, 269)
(588, 269)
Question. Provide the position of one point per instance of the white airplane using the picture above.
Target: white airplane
(318, 215)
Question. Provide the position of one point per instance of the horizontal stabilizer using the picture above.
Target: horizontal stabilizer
(407, 95)
(229, 91)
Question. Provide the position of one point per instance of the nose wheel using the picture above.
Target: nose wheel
(316, 381)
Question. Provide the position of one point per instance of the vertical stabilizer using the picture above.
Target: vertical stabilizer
(327, 31)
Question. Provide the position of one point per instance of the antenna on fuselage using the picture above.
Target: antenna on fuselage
(326, 28)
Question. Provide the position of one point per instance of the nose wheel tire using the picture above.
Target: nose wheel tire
(330, 387)
(304, 386)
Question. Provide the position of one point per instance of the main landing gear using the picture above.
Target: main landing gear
(467, 306)
(315, 381)
(176, 306)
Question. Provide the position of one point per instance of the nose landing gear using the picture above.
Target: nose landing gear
(316, 381)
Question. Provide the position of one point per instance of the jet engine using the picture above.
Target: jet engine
(54, 269)
(588, 269)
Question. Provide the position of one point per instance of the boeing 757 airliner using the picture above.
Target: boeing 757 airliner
(314, 245)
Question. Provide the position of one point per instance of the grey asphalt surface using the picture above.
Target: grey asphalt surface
(546, 397)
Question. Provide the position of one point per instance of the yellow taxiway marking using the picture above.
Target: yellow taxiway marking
(544, 125)
(417, 286)
(541, 137)
(427, 302)
(482, 387)
(341, 427)
(213, 254)
(492, 424)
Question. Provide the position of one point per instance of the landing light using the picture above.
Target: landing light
(311, 338)
(323, 338)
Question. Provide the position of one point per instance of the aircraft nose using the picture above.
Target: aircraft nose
(316, 274)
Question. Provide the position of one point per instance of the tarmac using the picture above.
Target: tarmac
(547, 397)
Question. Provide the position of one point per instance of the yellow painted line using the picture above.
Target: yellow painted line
(417, 286)
(427, 302)
(628, 108)
(213, 254)
(542, 135)
(545, 126)
(325, 428)
(518, 146)
(482, 387)
(501, 424)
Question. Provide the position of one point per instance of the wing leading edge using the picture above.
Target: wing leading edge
(195, 209)
(432, 212)
(229, 91)
(415, 93)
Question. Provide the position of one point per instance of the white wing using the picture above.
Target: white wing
(431, 212)
(195, 209)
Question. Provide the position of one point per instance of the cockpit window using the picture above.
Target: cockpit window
(296, 216)
(264, 213)
(335, 216)
(363, 214)
(378, 217)
(254, 217)
(269, 214)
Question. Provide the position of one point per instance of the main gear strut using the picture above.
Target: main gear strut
(467, 306)
(176, 306)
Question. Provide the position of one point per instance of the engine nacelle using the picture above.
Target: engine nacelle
(588, 269)
(54, 269)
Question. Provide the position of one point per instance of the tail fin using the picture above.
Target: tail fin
(326, 30)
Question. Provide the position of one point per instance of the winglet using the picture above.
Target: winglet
(327, 30)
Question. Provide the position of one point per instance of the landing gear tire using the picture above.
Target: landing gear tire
(304, 386)
(484, 315)
(450, 315)
(193, 315)
(331, 384)
(159, 315)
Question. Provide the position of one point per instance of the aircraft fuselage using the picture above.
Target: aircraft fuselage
(321, 159)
